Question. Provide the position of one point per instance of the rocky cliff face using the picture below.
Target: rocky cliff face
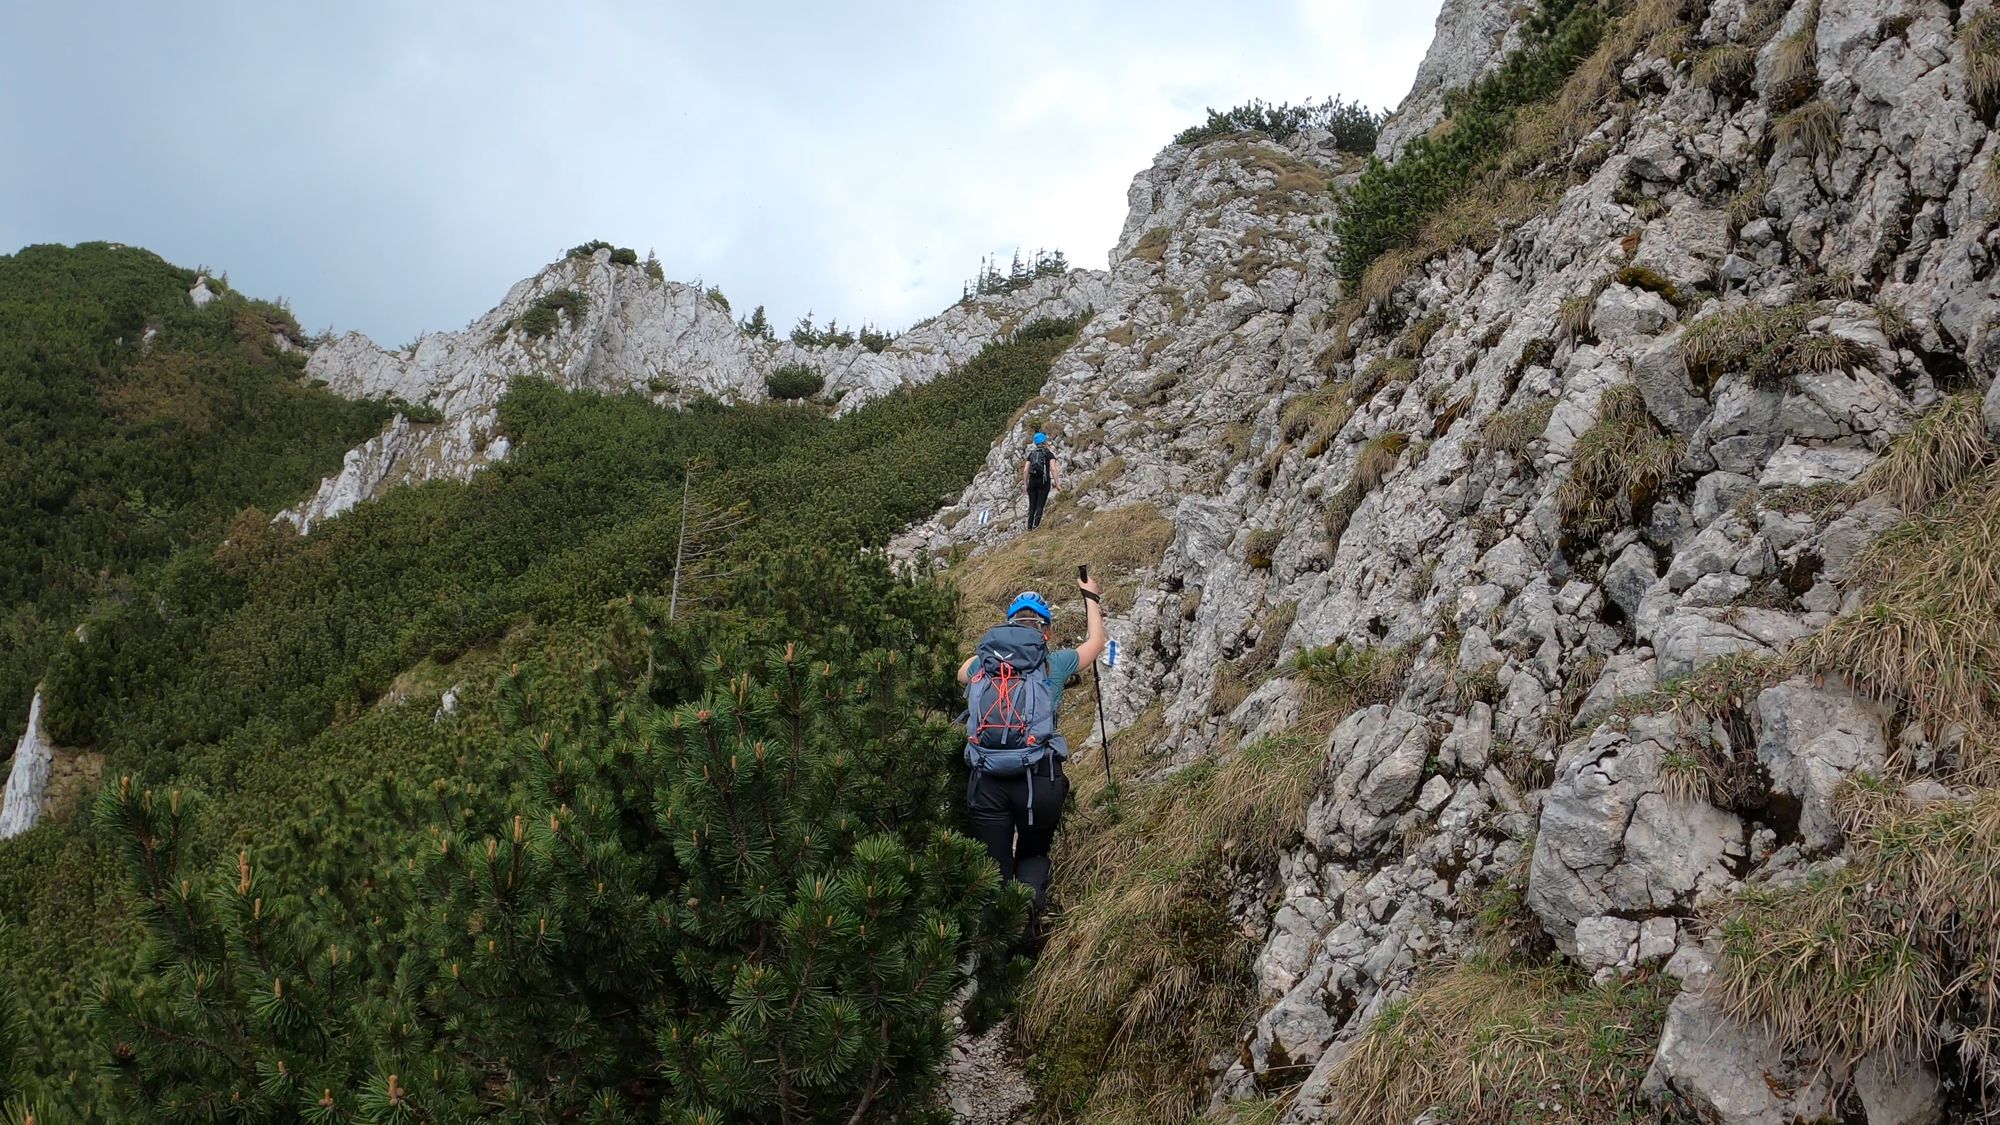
(630, 331)
(1524, 471)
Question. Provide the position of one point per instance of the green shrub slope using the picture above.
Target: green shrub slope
(292, 681)
(133, 424)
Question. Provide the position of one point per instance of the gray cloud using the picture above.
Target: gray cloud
(393, 167)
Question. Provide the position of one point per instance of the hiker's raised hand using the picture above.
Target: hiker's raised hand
(1089, 587)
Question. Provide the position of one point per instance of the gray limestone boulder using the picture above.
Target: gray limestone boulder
(1727, 1073)
(1376, 762)
(1810, 739)
(1610, 842)
(1623, 312)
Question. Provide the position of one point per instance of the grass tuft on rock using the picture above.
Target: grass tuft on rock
(1618, 465)
(1794, 76)
(1726, 69)
(1339, 678)
(1894, 955)
(1262, 544)
(1573, 320)
(1980, 38)
(1928, 640)
(1389, 371)
(1485, 1043)
(1146, 975)
(1339, 512)
(1766, 344)
(1378, 458)
(1511, 431)
(1812, 130)
(1941, 450)
(1314, 419)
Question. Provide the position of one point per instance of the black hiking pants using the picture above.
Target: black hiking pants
(997, 808)
(1038, 498)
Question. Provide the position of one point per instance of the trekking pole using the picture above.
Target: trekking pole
(1104, 732)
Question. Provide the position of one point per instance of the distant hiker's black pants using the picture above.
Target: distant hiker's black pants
(997, 808)
(1038, 498)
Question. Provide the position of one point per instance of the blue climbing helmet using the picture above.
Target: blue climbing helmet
(1040, 437)
(1032, 602)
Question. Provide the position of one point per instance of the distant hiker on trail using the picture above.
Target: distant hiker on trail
(1014, 688)
(1039, 472)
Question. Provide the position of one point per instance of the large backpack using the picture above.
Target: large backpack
(1010, 715)
(1038, 465)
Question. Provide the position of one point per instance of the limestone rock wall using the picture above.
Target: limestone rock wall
(1477, 376)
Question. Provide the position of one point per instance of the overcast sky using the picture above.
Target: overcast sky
(394, 167)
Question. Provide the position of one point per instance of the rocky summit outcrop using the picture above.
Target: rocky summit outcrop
(1455, 470)
(1472, 37)
(587, 322)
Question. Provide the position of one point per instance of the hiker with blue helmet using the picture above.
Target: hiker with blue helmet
(1039, 472)
(1014, 688)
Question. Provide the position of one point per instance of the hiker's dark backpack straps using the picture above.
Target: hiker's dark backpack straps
(1010, 722)
(1038, 464)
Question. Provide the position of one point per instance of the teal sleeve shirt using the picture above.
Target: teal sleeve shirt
(1062, 665)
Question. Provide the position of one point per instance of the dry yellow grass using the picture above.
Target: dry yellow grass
(1794, 59)
(1574, 319)
(1929, 638)
(1386, 274)
(1512, 430)
(1152, 246)
(1315, 418)
(1415, 338)
(1378, 458)
(1941, 449)
(1896, 955)
(1725, 69)
(1812, 130)
(1484, 1043)
(1980, 38)
(1115, 543)
(1340, 511)
(1146, 975)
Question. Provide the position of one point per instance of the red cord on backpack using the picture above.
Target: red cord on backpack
(1010, 719)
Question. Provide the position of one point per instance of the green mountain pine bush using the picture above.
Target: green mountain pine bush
(746, 908)
(292, 681)
(1353, 125)
(133, 424)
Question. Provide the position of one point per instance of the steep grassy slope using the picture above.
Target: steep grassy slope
(293, 680)
(133, 424)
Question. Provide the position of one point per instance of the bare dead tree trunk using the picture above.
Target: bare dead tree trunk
(680, 549)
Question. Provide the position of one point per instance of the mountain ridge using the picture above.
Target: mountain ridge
(631, 332)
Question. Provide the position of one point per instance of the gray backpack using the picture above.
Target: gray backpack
(1010, 718)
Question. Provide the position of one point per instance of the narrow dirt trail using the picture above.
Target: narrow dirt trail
(985, 1081)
